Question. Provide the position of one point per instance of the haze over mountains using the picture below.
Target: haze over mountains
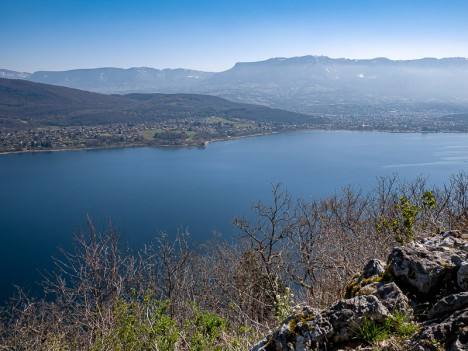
(298, 84)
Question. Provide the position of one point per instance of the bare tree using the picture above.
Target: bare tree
(165, 262)
(266, 237)
(87, 281)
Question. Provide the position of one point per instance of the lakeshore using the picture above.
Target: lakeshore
(177, 133)
(46, 195)
(172, 133)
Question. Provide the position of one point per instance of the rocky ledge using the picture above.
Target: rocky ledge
(423, 285)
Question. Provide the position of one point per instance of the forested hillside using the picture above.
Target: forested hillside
(25, 104)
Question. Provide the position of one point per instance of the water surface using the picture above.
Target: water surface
(45, 196)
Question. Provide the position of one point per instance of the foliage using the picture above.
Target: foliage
(405, 227)
(139, 325)
(284, 305)
(206, 329)
(371, 331)
(398, 324)
(402, 325)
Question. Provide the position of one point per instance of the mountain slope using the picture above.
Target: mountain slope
(5, 73)
(24, 103)
(315, 85)
(312, 80)
(285, 78)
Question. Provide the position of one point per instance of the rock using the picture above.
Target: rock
(373, 268)
(393, 298)
(451, 243)
(450, 334)
(311, 329)
(318, 328)
(368, 281)
(260, 346)
(420, 267)
(347, 316)
(448, 304)
(462, 276)
(291, 334)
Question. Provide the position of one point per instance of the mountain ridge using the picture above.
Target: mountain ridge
(314, 85)
(147, 79)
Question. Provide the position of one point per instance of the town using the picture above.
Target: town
(176, 132)
(197, 132)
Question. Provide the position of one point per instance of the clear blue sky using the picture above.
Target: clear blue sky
(214, 35)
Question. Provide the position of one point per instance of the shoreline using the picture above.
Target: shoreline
(202, 145)
(207, 142)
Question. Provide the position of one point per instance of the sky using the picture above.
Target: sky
(214, 35)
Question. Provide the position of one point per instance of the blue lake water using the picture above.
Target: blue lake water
(45, 196)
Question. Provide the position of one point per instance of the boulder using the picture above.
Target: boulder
(368, 281)
(449, 304)
(420, 267)
(311, 329)
(347, 316)
(393, 298)
(449, 334)
(462, 276)
(373, 268)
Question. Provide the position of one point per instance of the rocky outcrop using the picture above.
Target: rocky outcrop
(425, 281)
(448, 304)
(310, 329)
(431, 263)
(449, 333)
(462, 276)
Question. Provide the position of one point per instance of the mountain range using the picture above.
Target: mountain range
(29, 104)
(300, 84)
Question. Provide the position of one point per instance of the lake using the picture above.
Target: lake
(45, 196)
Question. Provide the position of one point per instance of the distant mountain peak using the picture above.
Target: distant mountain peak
(5, 73)
(297, 83)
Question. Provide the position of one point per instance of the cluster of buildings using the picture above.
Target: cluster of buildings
(74, 137)
(170, 132)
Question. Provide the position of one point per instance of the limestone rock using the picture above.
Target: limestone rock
(347, 315)
(393, 298)
(368, 281)
(312, 329)
(452, 244)
(373, 268)
(449, 334)
(448, 304)
(290, 334)
(421, 267)
(462, 276)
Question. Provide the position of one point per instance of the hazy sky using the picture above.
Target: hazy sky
(213, 35)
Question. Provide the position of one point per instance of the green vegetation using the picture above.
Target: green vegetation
(405, 225)
(371, 331)
(144, 324)
(402, 325)
(398, 326)
(284, 305)
(217, 120)
(148, 135)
